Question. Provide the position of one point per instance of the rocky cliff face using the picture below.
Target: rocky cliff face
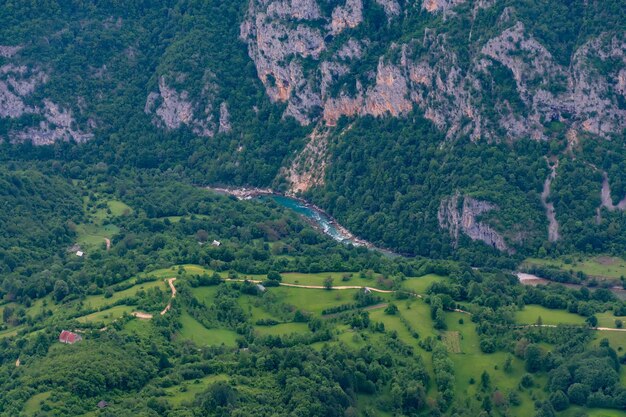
(308, 168)
(290, 43)
(172, 108)
(457, 217)
(51, 121)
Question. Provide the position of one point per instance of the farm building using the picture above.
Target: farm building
(69, 337)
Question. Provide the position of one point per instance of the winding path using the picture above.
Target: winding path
(148, 316)
(170, 281)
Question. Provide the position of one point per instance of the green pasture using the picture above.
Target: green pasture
(99, 301)
(597, 266)
(33, 404)
(196, 332)
(531, 313)
(106, 316)
(187, 390)
(313, 300)
(420, 285)
(282, 329)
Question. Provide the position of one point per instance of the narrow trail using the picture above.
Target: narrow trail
(148, 316)
(553, 224)
(341, 287)
(319, 287)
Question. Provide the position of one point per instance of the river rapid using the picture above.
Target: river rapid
(313, 214)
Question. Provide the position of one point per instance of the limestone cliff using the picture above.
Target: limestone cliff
(291, 44)
(172, 108)
(308, 168)
(457, 218)
(52, 122)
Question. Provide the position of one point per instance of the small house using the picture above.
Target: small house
(216, 243)
(79, 253)
(366, 290)
(102, 404)
(69, 337)
(261, 288)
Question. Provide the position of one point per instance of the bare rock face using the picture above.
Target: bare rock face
(348, 16)
(292, 62)
(308, 168)
(605, 196)
(8, 51)
(556, 93)
(458, 219)
(172, 108)
(434, 6)
(391, 7)
(59, 125)
(17, 84)
(225, 126)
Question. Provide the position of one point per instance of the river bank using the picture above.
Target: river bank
(313, 214)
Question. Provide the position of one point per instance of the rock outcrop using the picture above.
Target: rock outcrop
(457, 218)
(289, 41)
(7, 51)
(309, 166)
(552, 92)
(225, 126)
(605, 196)
(58, 125)
(440, 5)
(53, 123)
(172, 108)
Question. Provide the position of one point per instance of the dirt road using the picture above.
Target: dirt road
(148, 316)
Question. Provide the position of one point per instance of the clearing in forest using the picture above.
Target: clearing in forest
(452, 340)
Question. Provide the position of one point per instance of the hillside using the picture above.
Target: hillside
(274, 92)
(313, 208)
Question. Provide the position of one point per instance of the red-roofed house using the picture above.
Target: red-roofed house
(69, 337)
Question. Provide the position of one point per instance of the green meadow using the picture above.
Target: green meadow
(597, 266)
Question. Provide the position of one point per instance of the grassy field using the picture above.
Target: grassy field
(531, 313)
(195, 331)
(470, 362)
(592, 412)
(99, 301)
(318, 278)
(282, 329)
(616, 339)
(599, 266)
(607, 319)
(421, 284)
(33, 404)
(92, 235)
(313, 301)
(186, 391)
(106, 316)
(118, 208)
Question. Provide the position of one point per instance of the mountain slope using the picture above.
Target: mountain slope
(423, 126)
